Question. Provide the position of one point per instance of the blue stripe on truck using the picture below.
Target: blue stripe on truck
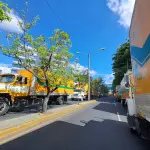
(141, 55)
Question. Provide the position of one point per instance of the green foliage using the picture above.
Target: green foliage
(104, 89)
(53, 54)
(121, 62)
(4, 11)
(98, 86)
(81, 77)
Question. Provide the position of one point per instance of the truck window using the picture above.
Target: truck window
(25, 81)
(127, 78)
(22, 80)
(7, 78)
(19, 79)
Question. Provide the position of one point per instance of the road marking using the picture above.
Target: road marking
(119, 117)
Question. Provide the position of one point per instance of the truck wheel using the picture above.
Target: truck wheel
(49, 102)
(137, 127)
(3, 108)
(60, 100)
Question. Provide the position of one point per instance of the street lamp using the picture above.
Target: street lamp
(89, 55)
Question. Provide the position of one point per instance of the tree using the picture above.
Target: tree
(4, 12)
(121, 62)
(53, 55)
(96, 85)
(104, 89)
(81, 78)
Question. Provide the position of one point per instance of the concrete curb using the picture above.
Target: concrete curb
(39, 120)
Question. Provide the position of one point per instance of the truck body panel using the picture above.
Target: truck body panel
(127, 86)
(140, 53)
(24, 86)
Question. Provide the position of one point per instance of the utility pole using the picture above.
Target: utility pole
(89, 79)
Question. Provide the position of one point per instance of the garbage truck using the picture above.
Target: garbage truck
(127, 87)
(23, 88)
(139, 107)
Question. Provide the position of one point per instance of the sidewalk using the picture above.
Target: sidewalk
(26, 118)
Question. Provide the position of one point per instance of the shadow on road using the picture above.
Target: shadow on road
(105, 135)
(110, 105)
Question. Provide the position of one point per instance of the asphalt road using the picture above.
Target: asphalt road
(100, 126)
(13, 113)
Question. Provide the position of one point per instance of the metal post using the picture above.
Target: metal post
(89, 77)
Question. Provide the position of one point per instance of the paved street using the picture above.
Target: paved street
(100, 126)
(31, 110)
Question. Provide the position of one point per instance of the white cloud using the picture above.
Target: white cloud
(5, 68)
(93, 73)
(124, 10)
(81, 69)
(13, 25)
(108, 78)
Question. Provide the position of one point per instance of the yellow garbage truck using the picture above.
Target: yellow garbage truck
(24, 88)
(139, 107)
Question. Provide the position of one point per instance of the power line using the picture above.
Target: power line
(53, 11)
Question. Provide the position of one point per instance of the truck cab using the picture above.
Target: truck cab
(11, 86)
(79, 94)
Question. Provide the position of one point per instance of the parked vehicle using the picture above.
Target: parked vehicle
(80, 92)
(20, 89)
(139, 106)
(118, 94)
(127, 87)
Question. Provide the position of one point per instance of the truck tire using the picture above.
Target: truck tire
(60, 100)
(49, 102)
(4, 107)
(137, 126)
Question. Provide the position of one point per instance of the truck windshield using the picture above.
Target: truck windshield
(79, 90)
(7, 78)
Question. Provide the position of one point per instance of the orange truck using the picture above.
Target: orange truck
(24, 88)
(139, 106)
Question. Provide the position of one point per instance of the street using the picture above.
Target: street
(100, 126)
(31, 110)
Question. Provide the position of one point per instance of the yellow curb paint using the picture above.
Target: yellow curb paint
(44, 117)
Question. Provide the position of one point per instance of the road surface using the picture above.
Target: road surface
(31, 110)
(100, 126)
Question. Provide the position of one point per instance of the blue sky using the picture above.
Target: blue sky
(92, 24)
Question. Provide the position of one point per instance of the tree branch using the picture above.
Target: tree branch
(49, 60)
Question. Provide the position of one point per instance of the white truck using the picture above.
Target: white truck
(79, 94)
(139, 107)
(127, 87)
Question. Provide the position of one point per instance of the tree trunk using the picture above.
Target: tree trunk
(46, 99)
(45, 102)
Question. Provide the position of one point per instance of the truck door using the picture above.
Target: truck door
(21, 85)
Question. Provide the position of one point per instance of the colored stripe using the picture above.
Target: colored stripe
(141, 55)
(53, 85)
